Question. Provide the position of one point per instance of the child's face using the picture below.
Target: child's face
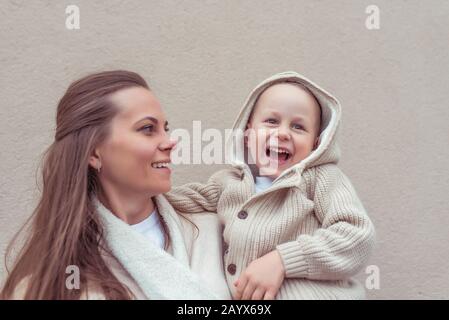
(285, 127)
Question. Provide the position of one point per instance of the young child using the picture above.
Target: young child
(294, 227)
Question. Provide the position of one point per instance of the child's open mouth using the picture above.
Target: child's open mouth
(280, 155)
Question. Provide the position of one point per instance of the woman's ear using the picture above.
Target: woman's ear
(95, 160)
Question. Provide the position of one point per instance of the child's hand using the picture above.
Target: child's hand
(261, 279)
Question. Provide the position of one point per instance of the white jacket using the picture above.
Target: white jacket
(191, 269)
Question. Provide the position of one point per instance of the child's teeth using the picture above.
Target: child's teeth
(278, 150)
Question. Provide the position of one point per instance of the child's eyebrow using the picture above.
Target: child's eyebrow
(300, 119)
(272, 111)
(295, 118)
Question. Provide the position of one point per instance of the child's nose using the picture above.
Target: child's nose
(283, 133)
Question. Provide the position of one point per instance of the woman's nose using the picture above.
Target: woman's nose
(168, 144)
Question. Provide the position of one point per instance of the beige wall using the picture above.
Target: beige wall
(203, 57)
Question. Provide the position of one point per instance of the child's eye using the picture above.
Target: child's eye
(297, 126)
(271, 121)
(147, 129)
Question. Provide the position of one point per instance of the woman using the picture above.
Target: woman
(102, 211)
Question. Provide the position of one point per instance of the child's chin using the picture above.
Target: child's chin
(271, 172)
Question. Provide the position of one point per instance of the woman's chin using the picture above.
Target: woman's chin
(162, 188)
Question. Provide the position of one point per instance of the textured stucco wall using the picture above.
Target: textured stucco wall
(203, 57)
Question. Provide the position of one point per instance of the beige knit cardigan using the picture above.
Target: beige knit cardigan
(311, 214)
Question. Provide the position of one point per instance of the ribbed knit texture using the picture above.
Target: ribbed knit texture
(311, 214)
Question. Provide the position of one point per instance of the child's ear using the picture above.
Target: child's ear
(245, 136)
(317, 143)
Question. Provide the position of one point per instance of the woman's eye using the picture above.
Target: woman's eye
(147, 129)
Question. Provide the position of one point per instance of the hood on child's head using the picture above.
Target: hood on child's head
(324, 151)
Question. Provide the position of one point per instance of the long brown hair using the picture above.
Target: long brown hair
(64, 227)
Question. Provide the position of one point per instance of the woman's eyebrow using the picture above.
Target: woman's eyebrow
(153, 119)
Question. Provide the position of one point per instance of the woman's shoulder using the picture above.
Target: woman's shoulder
(203, 239)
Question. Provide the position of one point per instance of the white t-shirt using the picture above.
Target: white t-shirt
(263, 183)
(152, 229)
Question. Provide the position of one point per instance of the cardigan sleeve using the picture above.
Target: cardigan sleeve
(342, 245)
(196, 197)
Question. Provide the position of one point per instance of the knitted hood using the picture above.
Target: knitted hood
(327, 150)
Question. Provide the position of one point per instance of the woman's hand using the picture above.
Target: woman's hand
(261, 279)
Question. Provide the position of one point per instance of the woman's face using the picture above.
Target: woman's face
(135, 156)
